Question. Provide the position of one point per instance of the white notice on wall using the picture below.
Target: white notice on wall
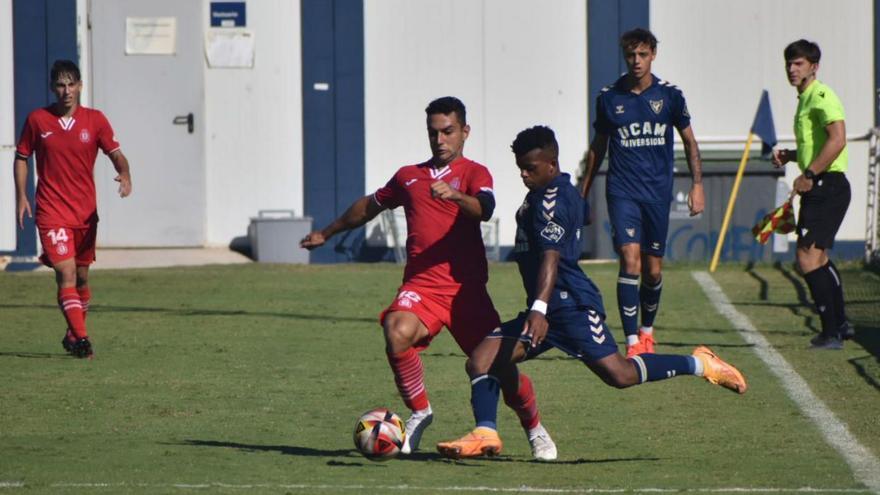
(150, 35)
(226, 48)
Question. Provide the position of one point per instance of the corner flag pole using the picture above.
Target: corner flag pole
(730, 202)
(763, 127)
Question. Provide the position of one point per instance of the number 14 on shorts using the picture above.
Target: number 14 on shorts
(58, 235)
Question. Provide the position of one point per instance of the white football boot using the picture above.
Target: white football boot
(415, 426)
(543, 448)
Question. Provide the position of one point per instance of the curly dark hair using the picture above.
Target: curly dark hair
(537, 137)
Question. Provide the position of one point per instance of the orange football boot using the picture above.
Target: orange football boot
(481, 441)
(647, 341)
(716, 371)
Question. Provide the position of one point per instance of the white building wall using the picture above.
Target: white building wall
(8, 226)
(514, 63)
(723, 54)
(253, 125)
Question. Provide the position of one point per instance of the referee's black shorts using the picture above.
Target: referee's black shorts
(822, 210)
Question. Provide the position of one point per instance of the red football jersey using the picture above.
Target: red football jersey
(66, 150)
(443, 248)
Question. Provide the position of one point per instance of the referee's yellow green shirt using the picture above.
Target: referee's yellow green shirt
(818, 106)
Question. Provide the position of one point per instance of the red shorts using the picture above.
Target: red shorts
(467, 312)
(62, 243)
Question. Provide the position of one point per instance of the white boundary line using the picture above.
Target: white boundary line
(864, 464)
(411, 488)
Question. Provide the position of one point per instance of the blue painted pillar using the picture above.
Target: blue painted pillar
(40, 36)
(334, 155)
(606, 21)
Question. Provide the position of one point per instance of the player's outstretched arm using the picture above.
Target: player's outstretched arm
(696, 197)
(23, 206)
(123, 177)
(360, 212)
(595, 155)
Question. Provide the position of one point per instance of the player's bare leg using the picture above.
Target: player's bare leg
(402, 330)
(628, 295)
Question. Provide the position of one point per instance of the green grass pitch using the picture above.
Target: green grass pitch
(248, 379)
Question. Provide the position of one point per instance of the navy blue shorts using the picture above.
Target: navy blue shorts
(636, 222)
(575, 330)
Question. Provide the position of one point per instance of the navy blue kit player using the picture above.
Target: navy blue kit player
(565, 308)
(635, 119)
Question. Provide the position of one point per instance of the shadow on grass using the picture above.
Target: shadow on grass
(804, 304)
(310, 452)
(763, 291)
(417, 456)
(203, 312)
(281, 449)
(36, 355)
(868, 367)
(861, 315)
(571, 462)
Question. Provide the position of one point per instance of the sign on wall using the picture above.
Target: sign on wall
(230, 48)
(228, 14)
(150, 35)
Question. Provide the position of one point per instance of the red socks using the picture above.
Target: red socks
(524, 403)
(71, 305)
(410, 378)
(85, 295)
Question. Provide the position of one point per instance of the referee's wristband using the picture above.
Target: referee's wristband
(539, 306)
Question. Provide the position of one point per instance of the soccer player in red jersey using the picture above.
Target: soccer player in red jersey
(66, 137)
(444, 282)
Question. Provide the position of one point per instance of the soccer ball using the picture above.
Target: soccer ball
(379, 434)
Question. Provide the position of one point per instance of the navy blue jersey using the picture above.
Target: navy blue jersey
(551, 218)
(640, 136)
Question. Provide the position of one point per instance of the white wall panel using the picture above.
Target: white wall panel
(253, 124)
(7, 131)
(535, 74)
(514, 63)
(722, 54)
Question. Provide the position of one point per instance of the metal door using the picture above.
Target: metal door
(155, 105)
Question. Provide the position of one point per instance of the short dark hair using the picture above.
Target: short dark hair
(803, 48)
(64, 67)
(537, 137)
(447, 105)
(636, 37)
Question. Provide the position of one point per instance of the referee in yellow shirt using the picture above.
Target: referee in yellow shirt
(820, 132)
